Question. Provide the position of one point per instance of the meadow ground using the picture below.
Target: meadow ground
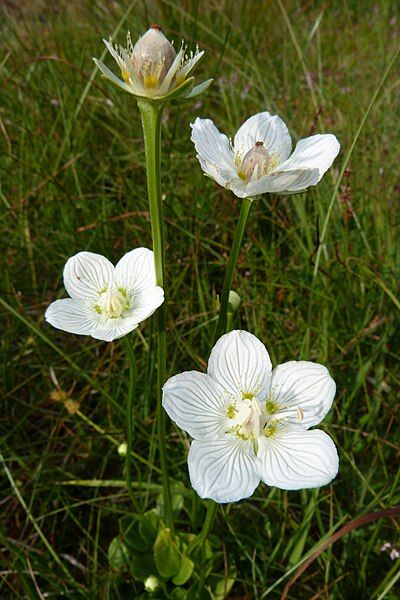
(318, 274)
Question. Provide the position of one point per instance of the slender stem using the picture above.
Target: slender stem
(129, 420)
(151, 122)
(224, 324)
(207, 527)
(237, 241)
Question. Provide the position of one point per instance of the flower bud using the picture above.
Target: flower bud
(234, 301)
(151, 583)
(152, 57)
(152, 69)
(122, 448)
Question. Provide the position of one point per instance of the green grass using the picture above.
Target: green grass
(72, 179)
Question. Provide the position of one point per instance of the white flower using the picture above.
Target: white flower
(152, 68)
(250, 423)
(106, 302)
(259, 160)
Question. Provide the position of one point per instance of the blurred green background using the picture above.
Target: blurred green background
(72, 179)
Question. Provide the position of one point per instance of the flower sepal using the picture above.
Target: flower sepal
(181, 92)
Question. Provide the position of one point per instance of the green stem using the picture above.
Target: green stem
(224, 324)
(151, 121)
(207, 527)
(129, 420)
(237, 241)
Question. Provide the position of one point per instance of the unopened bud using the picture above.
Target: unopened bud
(122, 448)
(234, 301)
(256, 158)
(152, 56)
(151, 583)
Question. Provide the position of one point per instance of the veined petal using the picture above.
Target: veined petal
(110, 75)
(282, 182)
(263, 127)
(145, 303)
(197, 404)
(241, 364)
(135, 270)
(213, 149)
(244, 189)
(222, 176)
(112, 329)
(225, 470)
(166, 83)
(294, 458)
(199, 89)
(303, 392)
(87, 274)
(72, 316)
(315, 152)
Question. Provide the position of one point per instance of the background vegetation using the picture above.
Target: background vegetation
(72, 179)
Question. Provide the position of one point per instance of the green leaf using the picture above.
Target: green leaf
(197, 591)
(130, 533)
(142, 565)
(166, 554)
(149, 524)
(178, 594)
(204, 555)
(185, 572)
(224, 585)
(118, 555)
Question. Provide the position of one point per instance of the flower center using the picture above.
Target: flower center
(249, 417)
(256, 163)
(113, 304)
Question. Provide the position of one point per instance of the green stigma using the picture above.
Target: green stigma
(271, 407)
(270, 430)
(230, 411)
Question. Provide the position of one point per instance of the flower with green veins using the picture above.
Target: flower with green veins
(106, 302)
(260, 158)
(250, 423)
(152, 68)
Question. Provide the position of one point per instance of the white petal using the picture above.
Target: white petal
(295, 459)
(270, 130)
(72, 316)
(214, 151)
(222, 176)
(282, 182)
(110, 75)
(145, 303)
(135, 271)
(112, 329)
(315, 152)
(197, 404)
(224, 470)
(199, 89)
(87, 274)
(304, 392)
(241, 363)
(166, 83)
